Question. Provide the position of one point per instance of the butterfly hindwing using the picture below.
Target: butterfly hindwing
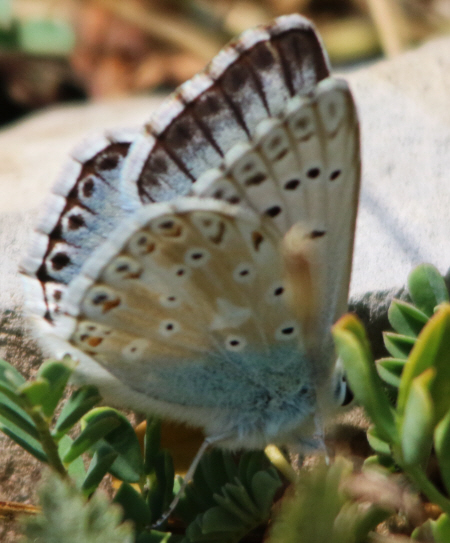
(186, 305)
(303, 169)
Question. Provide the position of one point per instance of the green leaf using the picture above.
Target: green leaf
(398, 346)
(91, 434)
(310, 514)
(378, 445)
(265, 485)
(216, 519)
(250, 463)
(213, 469)
(57, 374)
(406, 319)
(159, 537)
(432, 349)
(35, 391)
(12, 413)
(427, 288)
(160, 482)
(81, 401)
(203, 492)
(235, 499)
(23, 439)
(129, 464)
(436, 531)
(101, 462)
(441, 529)
(442, 447)
(355, 523)
(14, 395)
(152, 442)
(386, 462)
(67, 517)
(10, 382)
(134, 506)
(353, 347)
(390, 370)
(76, 469)
(10, 376)
(416, 425)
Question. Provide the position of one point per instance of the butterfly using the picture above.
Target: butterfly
(194, 269)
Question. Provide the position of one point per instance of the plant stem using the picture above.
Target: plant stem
(427, 487)
(47, 442)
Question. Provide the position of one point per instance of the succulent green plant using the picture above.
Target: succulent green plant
(324, 509)
(67, 516)
(419, 422)
(227, 498)
(231, 496)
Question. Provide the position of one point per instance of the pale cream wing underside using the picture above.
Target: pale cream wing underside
(302, 171)
(196, 281)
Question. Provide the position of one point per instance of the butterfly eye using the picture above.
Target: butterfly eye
(287, 331)
(235, 343)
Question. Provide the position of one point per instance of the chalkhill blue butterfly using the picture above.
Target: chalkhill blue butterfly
(194, 269)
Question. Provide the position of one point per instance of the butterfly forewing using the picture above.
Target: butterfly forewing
(84, 205)
(248, 81)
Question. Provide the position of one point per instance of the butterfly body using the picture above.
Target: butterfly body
(195, 270)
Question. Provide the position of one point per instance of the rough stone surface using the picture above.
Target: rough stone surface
(404, 109)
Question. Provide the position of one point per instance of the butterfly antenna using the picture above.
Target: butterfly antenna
(207, 443)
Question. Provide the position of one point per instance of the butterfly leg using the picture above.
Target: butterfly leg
(207, 443)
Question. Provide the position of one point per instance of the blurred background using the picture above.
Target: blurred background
(64, 50)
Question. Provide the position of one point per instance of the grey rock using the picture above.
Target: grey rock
(404, 108)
